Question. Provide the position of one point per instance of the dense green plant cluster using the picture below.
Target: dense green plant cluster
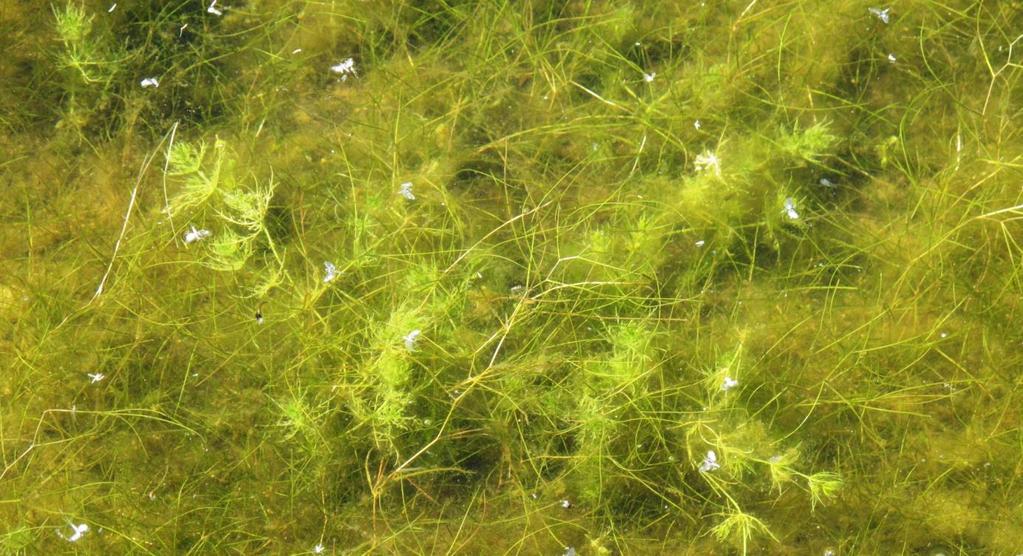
(542, 277)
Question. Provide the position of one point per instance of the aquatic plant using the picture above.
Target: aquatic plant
(474, 277)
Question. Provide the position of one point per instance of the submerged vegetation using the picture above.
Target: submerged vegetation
(488, 277)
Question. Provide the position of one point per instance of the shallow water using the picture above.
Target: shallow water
(402, 277)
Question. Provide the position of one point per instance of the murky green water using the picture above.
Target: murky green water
(495, 277)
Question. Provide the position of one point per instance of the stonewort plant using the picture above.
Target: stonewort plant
(486, 277)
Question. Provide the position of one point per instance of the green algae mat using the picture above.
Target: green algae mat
(511, 277)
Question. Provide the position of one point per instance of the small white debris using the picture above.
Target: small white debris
(649, 77)
(708, 161)
(96, 377)
(213, 9)
(728, 384)
(884, 15)
(826, 182)
(149, 82)
(700, 243)
(79, 531)
(329, 272)
(570, 551)
(697, 124)
(710, 462)
(790, 209)
(891, 58)
(411, 338)
(566, 504)
(318, 549)
(112, 8)
(406, 191)
(345, 68)
(193, 235)
(182, 29)
(296, 51)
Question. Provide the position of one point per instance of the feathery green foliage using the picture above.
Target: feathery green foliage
(510, 277)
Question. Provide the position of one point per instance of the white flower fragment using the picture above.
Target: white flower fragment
(318, 549)
(193, 235)
(649, 77)
(329, 272)
(884, 15)
(566, 504)
(710, 462)
(697, 124)
(728, 384)
(79, 531)
(344, 69)
(411, 338)
(790, 209)
(708, 161)
(149, 82)
(891, 58)
(213, 9)
(96, 377)
(406, 191)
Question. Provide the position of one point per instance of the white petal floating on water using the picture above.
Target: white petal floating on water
(149, 82)
(406, 191)
(710, 462)
(193, 235)
(729, 383)
(884, 15)
(345, 68)
(790, 209)
(79, 531)
(329, 272)
(213, 9)
(411, 338)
